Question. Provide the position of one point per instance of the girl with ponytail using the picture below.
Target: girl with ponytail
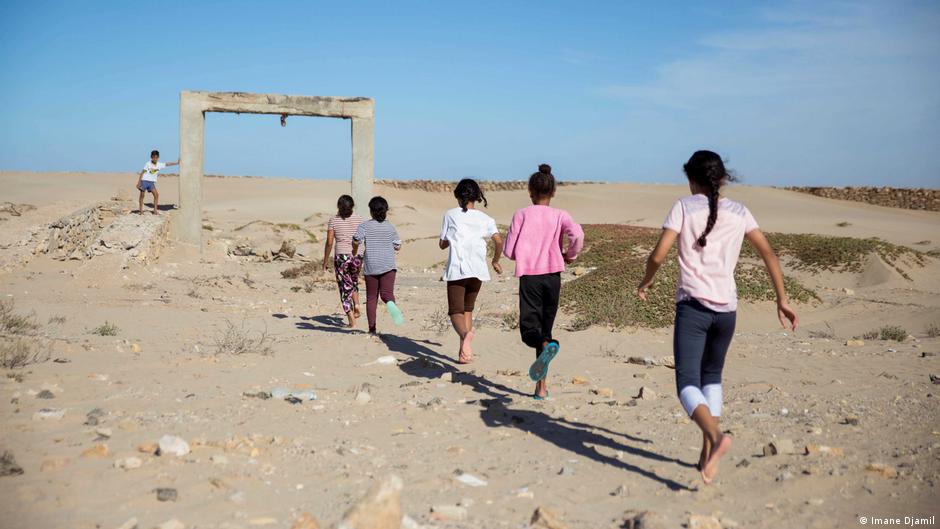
(710, 230)
(464, 232)
(534, 242)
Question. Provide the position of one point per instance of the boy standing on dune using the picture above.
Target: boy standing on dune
(147, 179)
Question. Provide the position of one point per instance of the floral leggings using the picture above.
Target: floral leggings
(347, 268)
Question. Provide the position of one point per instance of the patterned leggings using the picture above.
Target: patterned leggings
(347, 267)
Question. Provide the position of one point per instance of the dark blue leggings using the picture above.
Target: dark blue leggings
(700, 343)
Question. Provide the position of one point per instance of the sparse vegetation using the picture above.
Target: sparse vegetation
(18, 352)
(16, 324)
(888, 332)
(822, 253)
(106, 329)
(56, 320)
(606, 295)
(20, 341)
(306, 269)
(893, 332)
(438, 321)
(843, 224)
(933, 330)
(238, 340)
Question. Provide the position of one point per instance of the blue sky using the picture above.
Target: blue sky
(791, 93)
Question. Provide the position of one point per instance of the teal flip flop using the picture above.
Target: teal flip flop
(397, 317)
(539, 368)
(536, 397)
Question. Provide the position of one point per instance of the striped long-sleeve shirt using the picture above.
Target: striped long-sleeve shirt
(381, 240)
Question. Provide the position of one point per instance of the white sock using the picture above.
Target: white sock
(691, 397)
(712, 394)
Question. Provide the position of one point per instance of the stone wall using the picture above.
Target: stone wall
(441, 186)
(916, 198)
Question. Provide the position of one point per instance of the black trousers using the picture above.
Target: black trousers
(538, 305)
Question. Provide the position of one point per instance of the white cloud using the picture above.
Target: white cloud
(852, 90)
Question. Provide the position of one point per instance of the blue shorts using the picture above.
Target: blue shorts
(146, 185)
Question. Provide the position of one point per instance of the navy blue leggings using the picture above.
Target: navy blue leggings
(700, 343)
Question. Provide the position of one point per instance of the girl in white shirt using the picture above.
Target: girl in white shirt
(465, 231)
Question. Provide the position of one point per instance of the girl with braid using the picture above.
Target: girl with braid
(710, 230)
(464, 232)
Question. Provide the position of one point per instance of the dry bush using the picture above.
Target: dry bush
(16, 324)
(933, 330)
(18, 352)
(238, 340)
(309, 268)
(20, 341)
(438, 321)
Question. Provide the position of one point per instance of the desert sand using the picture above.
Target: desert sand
(591, 454)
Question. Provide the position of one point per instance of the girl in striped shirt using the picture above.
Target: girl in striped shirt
(382, 243)
(346, 263)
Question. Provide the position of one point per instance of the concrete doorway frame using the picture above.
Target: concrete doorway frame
(193, 108)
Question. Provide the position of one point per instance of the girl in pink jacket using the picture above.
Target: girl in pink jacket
(534, 242)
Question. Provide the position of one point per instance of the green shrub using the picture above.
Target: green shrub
(607, 295)
(106, 329)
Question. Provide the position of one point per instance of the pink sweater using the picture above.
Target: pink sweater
(534, 240)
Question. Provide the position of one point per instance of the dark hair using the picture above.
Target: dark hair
(378, 207)
(542, 183)
(154, 153)
(344, 206)
(706, 169)
(468, 190)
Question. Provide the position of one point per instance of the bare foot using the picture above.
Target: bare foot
(541, 389)
(466, 346)
(462, 357)
(711, 467)
(703, 458)
(155, 212)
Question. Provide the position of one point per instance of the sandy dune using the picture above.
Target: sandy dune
(590, 453)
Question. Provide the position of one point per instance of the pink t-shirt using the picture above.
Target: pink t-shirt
(707, 274)
(534, 240)
(343, 231)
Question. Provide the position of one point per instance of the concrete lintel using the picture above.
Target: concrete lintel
(332, 107)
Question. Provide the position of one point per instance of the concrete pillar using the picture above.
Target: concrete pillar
(192, 149)
(363, 163)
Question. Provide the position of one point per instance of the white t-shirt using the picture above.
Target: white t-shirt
(467, 233)
(152, 170)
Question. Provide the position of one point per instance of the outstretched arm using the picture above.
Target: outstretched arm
(169, 164)
(656, 259)
(760, 243)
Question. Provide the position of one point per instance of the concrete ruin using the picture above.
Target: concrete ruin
(193, 107)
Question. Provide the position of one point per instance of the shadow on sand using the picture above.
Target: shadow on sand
(579, 438)
(324, 323)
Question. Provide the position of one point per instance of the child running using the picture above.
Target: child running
(465, 231)
(382, 243)
(147, 180)
(534, 242)
(340, 229)
(710, 230)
